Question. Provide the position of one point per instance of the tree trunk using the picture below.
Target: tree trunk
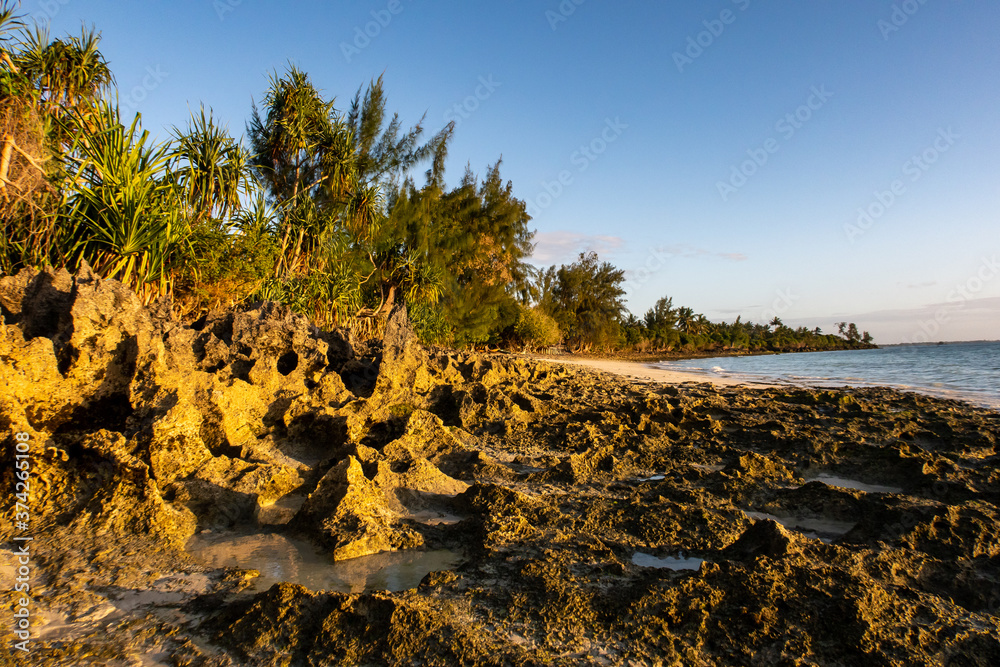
(294, 264)
(10, 63)
(390, 301)
(288, 225)
(384, 308)
(5, 156)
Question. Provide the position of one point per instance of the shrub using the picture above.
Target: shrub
(534, 329)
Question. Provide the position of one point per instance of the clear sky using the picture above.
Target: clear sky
(719, 151)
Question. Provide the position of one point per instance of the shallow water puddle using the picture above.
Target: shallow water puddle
(832, 480)
(826, 530)
(668, 563)
(654, 478)
(279, 558)
(434, 518)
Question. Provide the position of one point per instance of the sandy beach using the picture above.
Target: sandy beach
(643, 371)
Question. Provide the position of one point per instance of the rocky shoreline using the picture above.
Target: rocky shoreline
(827, 527)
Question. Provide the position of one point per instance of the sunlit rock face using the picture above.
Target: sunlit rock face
(575, 517)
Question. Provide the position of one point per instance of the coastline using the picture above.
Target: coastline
(510, 488)
(643, 371)
(811, 375)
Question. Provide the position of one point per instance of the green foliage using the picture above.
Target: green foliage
(585, 299)
(212, 169)
(429, 323)
(320, 213)
(534, 329)
(475, 237)
(124, 212)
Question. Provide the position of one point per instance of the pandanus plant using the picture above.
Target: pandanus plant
(326, 174)
(43, 84)
(212, 170)
(69, 74)
(125, 210)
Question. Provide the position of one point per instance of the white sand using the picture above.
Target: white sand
(641, 371)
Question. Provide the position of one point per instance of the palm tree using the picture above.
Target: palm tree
(10, 21)
(685, 318)
(43, 83)
(212, 170)
(325, 175)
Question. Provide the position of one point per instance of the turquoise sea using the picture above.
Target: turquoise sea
(964, 371)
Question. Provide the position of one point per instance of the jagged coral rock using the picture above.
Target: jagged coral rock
(98, 333)
(404, 369)
(106, 492)
(412, 485)
(426, 436)
(764, 538)
(268, 346)
(352, 514)
(227, 491)
(175, 448)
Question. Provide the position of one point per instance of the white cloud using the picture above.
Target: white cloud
(561, 247)
(691, 252)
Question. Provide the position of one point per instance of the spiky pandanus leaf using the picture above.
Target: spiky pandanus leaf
(125, 210)
(213, 170)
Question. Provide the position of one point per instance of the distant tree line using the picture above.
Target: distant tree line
(585, 302)
(317, 207)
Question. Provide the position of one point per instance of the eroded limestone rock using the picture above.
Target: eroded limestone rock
(352, 515)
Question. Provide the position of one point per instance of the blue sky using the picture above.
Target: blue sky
(720, 152)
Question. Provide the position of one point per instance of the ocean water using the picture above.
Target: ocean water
(964, 371)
